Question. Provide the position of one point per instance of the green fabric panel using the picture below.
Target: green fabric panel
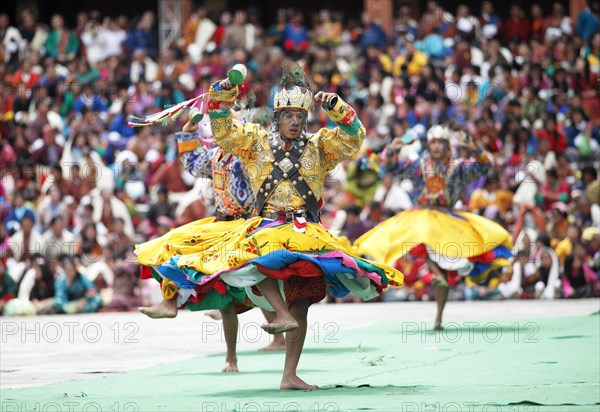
(219, 113)
(352, 128)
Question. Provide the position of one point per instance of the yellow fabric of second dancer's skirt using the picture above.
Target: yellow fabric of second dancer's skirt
(458, 241)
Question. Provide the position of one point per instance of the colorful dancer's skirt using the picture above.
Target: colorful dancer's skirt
(214, 262)
(459, 242)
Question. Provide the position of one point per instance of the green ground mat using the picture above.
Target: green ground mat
(496, 365)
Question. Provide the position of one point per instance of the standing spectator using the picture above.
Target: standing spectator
(372, 33)
(33, 34)
(489, 22)
(144, 36)
(95, 41)
(295, 35)
(557, 24)
(236, 36)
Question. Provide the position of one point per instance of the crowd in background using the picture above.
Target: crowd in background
(79, 187)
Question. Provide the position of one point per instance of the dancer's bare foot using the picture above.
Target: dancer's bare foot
(230, 366)
(277, 344)
(280, 326)
(295, 383)
(214, 314)
(165, 309)
(438, 325)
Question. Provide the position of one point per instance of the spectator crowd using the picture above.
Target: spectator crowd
(79, 187)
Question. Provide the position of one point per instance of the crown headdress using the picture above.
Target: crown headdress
(294, 89)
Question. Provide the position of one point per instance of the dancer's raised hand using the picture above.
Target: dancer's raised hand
(190, 126)
(325, 99)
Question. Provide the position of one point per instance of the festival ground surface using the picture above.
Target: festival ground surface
(495, 356)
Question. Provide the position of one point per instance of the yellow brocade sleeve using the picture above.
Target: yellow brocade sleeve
(233, 136)
(345, 140)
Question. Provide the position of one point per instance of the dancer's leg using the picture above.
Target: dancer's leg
(278, 339)
(284, 321)
(168, 307)
(230, 329)
(440, 283)
(165, 309)
(294, 343)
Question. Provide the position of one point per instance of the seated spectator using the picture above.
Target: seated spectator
(19, 208)
(57, 240)
(578, 280)
(24, 243)
(556, 139)
(522, 269)
(119, 242)
(90, 244)
(544, 283)
(8, 287)
(50, 152)
(52, 205)
(162, 207)
(90, 99)
(552, 191)
(107, 208)
(74, 293)
(354, 227)
(42, 290)
(62, 44)
(559, 223)
(491, 194)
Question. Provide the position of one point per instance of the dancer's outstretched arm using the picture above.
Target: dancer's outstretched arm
(233, 136)
(196, 158)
